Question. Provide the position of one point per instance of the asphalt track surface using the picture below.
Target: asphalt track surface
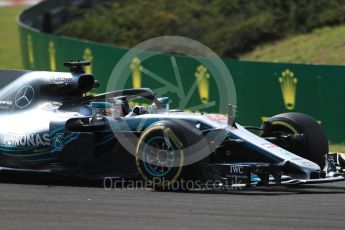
(31, 203)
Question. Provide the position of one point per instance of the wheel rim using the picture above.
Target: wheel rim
(158, 157)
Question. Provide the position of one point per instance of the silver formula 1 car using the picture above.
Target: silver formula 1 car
(48, 124)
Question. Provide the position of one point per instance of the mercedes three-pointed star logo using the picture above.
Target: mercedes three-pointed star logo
(24, 96)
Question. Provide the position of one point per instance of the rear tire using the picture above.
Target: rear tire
(314, 145)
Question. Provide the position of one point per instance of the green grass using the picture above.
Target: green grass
(10, 55)
(340, 148)
(322, 46)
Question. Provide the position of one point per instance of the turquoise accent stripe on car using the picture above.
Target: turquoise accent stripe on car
(34, 151)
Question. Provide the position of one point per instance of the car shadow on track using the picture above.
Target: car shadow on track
(281, 190)
(49, 180)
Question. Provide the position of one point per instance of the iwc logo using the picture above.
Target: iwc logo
(288, 84)
(24, 96)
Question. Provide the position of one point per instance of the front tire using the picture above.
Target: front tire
(314, 145)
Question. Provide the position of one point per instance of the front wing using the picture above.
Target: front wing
(265, 174)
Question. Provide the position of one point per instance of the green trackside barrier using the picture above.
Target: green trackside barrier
(263, 89)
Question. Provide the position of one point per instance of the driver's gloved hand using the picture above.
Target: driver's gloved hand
(138, 110)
